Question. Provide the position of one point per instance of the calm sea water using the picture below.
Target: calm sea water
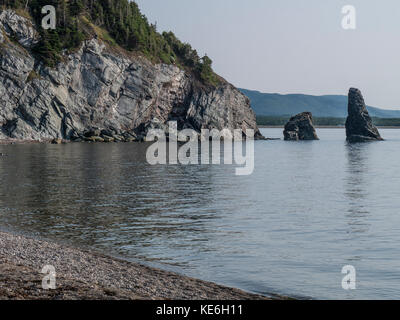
(309, 209)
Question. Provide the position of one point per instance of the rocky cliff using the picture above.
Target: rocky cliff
(97, 88)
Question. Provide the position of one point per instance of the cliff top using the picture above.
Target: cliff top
(119, 23)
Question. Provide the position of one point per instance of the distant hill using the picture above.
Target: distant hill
(272, 104)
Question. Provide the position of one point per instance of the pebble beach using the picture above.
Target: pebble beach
(84, 275)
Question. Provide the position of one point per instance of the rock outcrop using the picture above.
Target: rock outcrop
(300, 127)
(18, 27)
(359, 126)
(96, 89)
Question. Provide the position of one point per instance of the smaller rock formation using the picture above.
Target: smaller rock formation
(359, 127)
(300, 127)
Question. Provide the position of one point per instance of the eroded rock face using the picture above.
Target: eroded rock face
(95, 89)
(300, 127)
(18, 27)
(359, 126)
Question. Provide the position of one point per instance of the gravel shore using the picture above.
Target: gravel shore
(87, 275)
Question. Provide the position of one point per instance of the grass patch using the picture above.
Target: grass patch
(99, 32)
(32, 75)
(23, 13)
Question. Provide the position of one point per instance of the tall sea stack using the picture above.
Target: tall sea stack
(359, 126)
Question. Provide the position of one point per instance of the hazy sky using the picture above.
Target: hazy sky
(292, 46)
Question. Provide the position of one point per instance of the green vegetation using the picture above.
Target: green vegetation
(117, 22)
(324, 121)
(33, 75)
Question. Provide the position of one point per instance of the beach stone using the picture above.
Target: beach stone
(108, 139)
(359, 126)
(300, 127)
(92, 133)
(118, 138)
(98, 139)
(94, 139)
(56, 141)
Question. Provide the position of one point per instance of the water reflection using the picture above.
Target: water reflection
(356, 186)
(106, 196)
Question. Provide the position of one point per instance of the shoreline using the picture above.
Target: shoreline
(10, 141)
(87, 275)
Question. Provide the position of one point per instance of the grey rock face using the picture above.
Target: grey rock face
(359, 127)
(18, 27)
(95, 89)
(300, 127)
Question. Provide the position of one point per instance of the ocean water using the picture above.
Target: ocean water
(308, 209)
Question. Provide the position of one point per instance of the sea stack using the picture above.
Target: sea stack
(359, 126)
(300, 127)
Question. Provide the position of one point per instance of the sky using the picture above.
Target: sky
(292, 46)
